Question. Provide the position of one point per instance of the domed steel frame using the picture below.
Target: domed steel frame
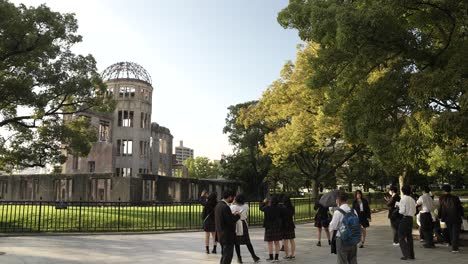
(126, 70)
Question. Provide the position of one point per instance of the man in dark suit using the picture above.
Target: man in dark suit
(451, 212)
(393, 212)
(225, 222)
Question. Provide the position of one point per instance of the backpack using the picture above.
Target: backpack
(351, 232)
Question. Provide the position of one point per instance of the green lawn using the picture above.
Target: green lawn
(46, 218)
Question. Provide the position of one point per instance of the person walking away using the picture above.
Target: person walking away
(451, 212)
(242, 230)
(345, 223)
(426, 218)
(393, 213)
(208, 217)
(322, 221)
(272, 222)
(289, 233)
(407, 208)
(361, 206)
(225, 223)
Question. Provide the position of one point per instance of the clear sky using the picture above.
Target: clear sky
(202, 55)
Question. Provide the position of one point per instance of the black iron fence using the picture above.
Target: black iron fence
(45, 216)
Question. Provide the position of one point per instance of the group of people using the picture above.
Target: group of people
(323, 217)
(225, 222)
(345, 226)
(403, 210)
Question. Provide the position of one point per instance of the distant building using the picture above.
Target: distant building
(128, 143)
(183, 153)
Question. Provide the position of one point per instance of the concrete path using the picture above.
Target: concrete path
(188, 248)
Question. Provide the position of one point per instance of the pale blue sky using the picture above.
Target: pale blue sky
(203, 56)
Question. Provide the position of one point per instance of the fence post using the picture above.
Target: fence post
(79, 217)
(40, 212)
(310, 208)
(118, 216)
(190, 214)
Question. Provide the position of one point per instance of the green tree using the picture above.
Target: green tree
(301, 135)
(41, 81)
(201, 168)
(248, 164)
(394, 73)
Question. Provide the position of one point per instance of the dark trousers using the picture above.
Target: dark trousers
(227, 253)
(427, 229)
(394, 225)
(453, 235)
(405, 236)
(249, 247)
(346, 254)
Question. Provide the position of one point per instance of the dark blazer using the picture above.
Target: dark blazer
(273, 216)
(208, 213)
(225, 223)
(451, 209)
(391, 205)
(365, 204)
(288, 218)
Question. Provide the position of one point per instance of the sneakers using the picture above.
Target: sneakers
(256, 259)
(361, 246)
(319, 244)
(396, 244)
(455, 251)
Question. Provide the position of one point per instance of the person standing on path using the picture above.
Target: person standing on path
(425, 217)
(393, 214)
(361, 206)
(289, 233)
(225, 222)
(346, 254)
(322, 221)
(451, 212)
(208, 217)
(272, 222)
(242, 229)
(407, 208)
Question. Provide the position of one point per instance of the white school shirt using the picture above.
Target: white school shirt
(407, 206)
(427, 203)
(337, 220)
(241, 208)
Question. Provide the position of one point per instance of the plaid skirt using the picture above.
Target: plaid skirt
(273, 234)
(289, 234)
(245, 238)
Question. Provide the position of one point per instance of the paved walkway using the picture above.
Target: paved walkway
(188, 248)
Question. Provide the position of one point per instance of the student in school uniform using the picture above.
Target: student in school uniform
(361, 206)
(407, 208)
(242, 229)
(272, 223)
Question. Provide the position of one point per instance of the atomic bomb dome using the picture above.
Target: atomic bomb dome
(126, 70)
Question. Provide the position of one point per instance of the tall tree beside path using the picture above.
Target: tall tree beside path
(41, 80)
(396, 75)
(301, 133)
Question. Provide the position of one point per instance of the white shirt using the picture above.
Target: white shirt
(427, 203)
(407, 206)
(337, 220)
(244, 209)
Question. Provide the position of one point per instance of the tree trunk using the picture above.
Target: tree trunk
(350, 186)
(403, 179)
(315, 190)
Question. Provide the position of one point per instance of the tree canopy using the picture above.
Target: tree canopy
(202, 168)
(394, 73)
(42, 80)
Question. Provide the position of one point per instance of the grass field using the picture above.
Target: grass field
(18, 218)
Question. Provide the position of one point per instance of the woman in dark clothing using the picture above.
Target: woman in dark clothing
(272, 223)
(322, 220)
(242, 229)
(289, 233)
(209, 220)
(361, 206)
